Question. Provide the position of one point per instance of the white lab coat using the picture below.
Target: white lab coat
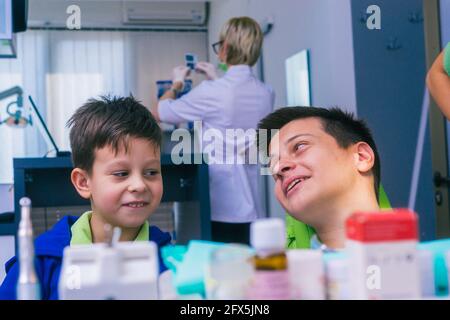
(238, 100)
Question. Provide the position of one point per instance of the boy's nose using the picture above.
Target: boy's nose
(285, 165)
(137, 184)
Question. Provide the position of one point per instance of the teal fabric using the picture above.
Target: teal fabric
(447, 59)
(188, 264)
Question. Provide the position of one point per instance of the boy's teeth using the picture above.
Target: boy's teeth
(293, 183)
(136, 205)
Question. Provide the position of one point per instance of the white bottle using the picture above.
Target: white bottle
(229, 272)
(271, 278)
(306, 273)
(28, 287)
(337, 276)
(426, 266)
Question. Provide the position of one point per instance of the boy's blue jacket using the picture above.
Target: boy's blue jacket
(49, 249)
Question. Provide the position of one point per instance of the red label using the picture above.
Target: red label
(399, 224)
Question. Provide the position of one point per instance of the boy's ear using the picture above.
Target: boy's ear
(80, 180)
(364, 157)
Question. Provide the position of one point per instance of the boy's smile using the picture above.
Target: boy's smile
(293, 184)
(136, 204)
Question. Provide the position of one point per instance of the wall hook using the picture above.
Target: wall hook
(393, 44)
(415, 17)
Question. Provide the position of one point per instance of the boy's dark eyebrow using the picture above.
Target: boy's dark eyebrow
(124, 162)
(153, 161)
(298, 135)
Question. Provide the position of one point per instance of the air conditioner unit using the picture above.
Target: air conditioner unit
(166, 13)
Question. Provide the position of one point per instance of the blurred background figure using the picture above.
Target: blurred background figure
(238, 100)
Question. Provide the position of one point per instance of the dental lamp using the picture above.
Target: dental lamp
(15, 109)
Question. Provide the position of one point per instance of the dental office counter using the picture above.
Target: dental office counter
(46, 181)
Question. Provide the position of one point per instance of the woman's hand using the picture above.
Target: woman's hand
(208, 69)
(179, 74)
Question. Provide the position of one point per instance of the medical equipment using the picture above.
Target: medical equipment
(108, 271)
(46, 133)
(189, 265)
(271, 278)
(229, 272)
(306, 274)
(28, 287)
(434, 269)
(382, 252)
(337, 279)
(17, 114)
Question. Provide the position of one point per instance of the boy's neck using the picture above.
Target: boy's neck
(331, 231)
(98, 230)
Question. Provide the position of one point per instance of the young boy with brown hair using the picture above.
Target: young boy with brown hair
(116, 156)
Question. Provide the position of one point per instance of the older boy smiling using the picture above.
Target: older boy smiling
(325, 166)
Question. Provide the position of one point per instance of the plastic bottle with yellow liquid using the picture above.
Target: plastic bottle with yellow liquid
(271, 277)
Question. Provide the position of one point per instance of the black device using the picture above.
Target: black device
(190, 60)
(19, 15)
(46, 133)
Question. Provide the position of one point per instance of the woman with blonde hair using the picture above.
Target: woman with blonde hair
(236, 101)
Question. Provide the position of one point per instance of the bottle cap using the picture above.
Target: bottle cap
(25, 202)
(268, 234)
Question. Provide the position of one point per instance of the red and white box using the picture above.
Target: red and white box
(382, 251)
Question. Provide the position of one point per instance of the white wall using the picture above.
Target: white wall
(324, 27)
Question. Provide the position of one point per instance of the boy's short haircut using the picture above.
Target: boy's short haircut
(109, 121)
(339, 124)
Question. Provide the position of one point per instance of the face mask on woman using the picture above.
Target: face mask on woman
(222, 66)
